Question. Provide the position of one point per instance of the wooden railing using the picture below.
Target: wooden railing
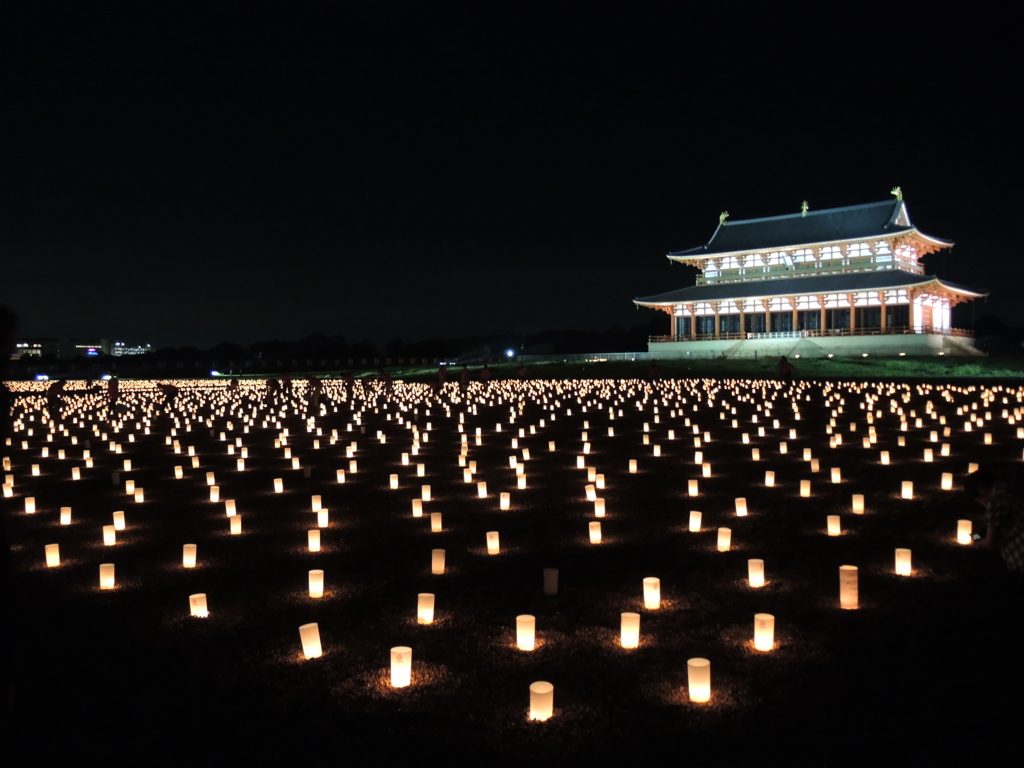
(815, 333)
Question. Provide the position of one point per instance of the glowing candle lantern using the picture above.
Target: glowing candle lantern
(858, 504)
(833, 525)
(30, 505)
(140, 495)
(425, 608)
(521, 481)
(235, 521)
(652, 593)
(437, 561)
(632, 466)
(394, 482)
(504, 501)
(988, 438)
(295, 463)
(492, 543)
(972, 468)
(240, 465)
(127, 465)
(903, 562)
(214, 493)
(550, 581)
(76, 473)
(805, 488)
(551, 445)
(629, 631)
(947, 481)
(755, 454)
(595, 532)
(698, 678)
(599, 507)
(907, 489)
(229, 507)
(692, 488)
(435, 522)
(963, 531)
(119, 521)
(695, 519)
(706, 468)
(211, 478)
(764, 631)
(129, 487)
(309, 634)
(197, 605)
(109, 536)
(401, 666)
(769, 479)
(8, 491)
(467, 476)
(278, 485)
(195, 462)
(481, 489)
(928, 455)
(885, 457)
(65, 515)
(724, 539)
(321, 518)
(35, 470)
(526, 626)
(421, 470)
(837, 475)
(815, 465)
(52, 555)
(188, 556)
(425, 492)
(849, 597)
(755, 572)
(340, 475)
(313, 540)
(741, 507)
(591, 492)
(542, 700)
(316, 583)
(417, 508)
(107, 576)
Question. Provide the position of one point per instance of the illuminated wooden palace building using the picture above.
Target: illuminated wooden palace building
(843, 281)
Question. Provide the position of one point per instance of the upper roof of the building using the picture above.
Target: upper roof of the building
(838, 283)
(854, 222)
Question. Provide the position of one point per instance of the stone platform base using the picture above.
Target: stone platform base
(911, 345)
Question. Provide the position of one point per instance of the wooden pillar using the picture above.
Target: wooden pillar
(793, 300)
(881, 299)
(821, 303)
(743, 330)
(716, 306)
(693, 324)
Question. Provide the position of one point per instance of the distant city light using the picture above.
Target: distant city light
(214, 373)
(105, 377)
(509, 353)
(42, 377)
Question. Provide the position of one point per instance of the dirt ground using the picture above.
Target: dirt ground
(924, 669)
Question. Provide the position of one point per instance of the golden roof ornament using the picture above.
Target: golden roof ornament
(803, 208)
(898, 192)
(722, 217)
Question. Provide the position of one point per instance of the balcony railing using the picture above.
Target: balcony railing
(816, 333)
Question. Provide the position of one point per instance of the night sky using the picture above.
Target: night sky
(189, 174)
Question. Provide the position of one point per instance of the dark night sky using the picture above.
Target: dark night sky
(185, 177)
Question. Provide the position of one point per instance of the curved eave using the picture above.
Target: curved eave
(934, 243)
(655, 302)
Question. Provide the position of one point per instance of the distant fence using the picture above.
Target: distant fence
(590, 357)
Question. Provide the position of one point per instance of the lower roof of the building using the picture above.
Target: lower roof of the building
(793, 286)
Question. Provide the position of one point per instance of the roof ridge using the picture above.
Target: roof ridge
(801, 215)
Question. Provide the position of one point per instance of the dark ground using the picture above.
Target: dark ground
(926, 669)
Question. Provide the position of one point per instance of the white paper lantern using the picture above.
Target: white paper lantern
(755, 572)
(107, 576)
(52, 555)
(849, 597)
(698, 675)
(188, 556)
(309, 634)
(764, 631)
(316, 583)
(492, 543)
(401, 666)
(525, 632)
(197, 605)
(834, 528)
(652, 593)
(903, 562)
(963, 531)
(437, 561)
(629, 632)
(542, 700)
(724, 539)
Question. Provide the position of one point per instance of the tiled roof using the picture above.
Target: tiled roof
(855, 281)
